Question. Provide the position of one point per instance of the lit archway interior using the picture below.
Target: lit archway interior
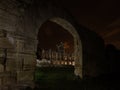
(58, 30)
(54, 39)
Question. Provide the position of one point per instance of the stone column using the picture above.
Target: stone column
(7, 61)
(25, 60)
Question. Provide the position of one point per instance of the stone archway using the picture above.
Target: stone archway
(89, 47)
(77, 43)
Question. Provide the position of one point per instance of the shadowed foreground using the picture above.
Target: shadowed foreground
(63, 78)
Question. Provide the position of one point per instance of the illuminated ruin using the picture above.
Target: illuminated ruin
(56, 58)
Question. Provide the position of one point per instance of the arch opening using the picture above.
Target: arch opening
(76, 46)
(55, 45)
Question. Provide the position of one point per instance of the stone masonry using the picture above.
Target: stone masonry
(20, 21)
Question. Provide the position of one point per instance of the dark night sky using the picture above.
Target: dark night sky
(101, 16)
(51, 34)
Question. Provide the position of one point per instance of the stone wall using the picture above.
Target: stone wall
(89, 47)
(22, 21)
(93, 53)
(21, 59)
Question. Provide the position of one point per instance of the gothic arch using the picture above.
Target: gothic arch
(77, 43)
(23, 30)
(89, 47)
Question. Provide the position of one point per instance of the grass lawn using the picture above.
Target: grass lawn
(57, 78)
(63, 78)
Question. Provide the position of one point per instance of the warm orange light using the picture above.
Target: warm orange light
(66, 45)
(70, 63)
(73, 63)
(65, 63)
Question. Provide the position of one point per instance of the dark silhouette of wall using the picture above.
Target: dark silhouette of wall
(112, 59)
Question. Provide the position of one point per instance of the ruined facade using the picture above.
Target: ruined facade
(21, 20)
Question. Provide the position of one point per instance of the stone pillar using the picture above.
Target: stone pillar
(7, 62)
(25, 55)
